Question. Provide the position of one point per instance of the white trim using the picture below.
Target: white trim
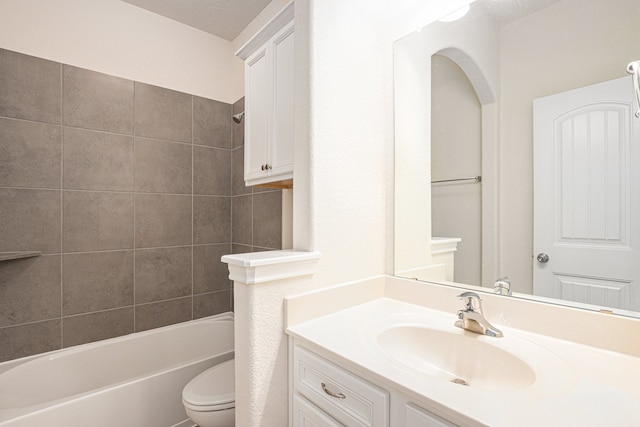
(261, 267)
(443, 245)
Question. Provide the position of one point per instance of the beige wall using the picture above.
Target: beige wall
(122, 40)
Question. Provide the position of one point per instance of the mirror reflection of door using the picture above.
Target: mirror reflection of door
(456, 153)
(586, 194)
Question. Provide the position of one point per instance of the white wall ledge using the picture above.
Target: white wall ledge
(262, 267)
(442, 245)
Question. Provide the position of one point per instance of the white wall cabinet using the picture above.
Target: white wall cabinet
(269, 103)
(324, 394)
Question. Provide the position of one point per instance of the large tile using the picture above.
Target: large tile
(238, 128)
(29, 290)
(211, 219)
(163, 220)
(26, 340)
(267, 220)
(242, 220)
(211, 303)
(163, 273)
(97, 281)
(98, 326)
(157, 314)
(209, 273)
(163, 167)
(30, 87)
(95, 221)
(162, 113)
(237, 173)
(211, 171)
(30, 220)
(211, 123)
(93, 100)
(97, 160)
(30, 154)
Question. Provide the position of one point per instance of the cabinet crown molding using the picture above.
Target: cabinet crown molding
(266, 32)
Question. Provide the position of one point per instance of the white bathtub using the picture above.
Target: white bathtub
(130, 381)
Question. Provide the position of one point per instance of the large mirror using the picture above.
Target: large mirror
(517, 153)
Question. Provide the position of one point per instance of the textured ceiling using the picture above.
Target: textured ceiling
(222, 18)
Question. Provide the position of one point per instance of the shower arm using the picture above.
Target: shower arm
(634, 69)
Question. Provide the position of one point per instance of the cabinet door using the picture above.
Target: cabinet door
(306, 414)
(258, 109)
(418, 417)
(281, 147)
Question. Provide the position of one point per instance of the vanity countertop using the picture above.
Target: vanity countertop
(575, 384)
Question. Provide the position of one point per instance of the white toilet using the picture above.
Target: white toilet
(209, 398)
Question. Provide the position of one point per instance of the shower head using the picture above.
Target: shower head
(238, 117)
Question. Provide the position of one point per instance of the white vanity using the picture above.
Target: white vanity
(384, 352)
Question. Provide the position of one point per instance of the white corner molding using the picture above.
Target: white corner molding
(262, 267)
(266, 32)
(443, 245)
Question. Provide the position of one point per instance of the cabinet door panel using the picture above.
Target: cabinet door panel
(257, 114)
(281, 155)
(306, 414)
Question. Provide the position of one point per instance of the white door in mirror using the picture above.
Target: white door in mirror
(585, 195)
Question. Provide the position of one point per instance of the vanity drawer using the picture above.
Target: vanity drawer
(341, 394)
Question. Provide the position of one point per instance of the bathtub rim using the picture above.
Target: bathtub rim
(10, 364)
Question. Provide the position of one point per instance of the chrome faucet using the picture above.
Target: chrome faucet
(502, 286)
(471, 318)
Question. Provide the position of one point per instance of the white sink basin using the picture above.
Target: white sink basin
(456, 356)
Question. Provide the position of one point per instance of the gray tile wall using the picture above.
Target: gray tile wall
(132, 192)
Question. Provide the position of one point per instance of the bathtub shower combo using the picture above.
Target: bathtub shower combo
(132, 381)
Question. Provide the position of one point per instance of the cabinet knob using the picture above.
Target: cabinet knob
(262, 167)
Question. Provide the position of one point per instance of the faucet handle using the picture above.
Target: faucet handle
(469, 298)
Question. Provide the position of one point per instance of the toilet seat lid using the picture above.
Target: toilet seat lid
(213, 387)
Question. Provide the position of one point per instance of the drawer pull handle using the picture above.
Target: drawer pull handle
(332, 394)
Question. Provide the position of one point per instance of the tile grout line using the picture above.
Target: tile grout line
(61, 205)
(232, 193)
(192, 201)
(145, 193)
(133, 188)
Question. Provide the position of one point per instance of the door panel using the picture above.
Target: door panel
(257, 114)
(586, 194)
(281, 155)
